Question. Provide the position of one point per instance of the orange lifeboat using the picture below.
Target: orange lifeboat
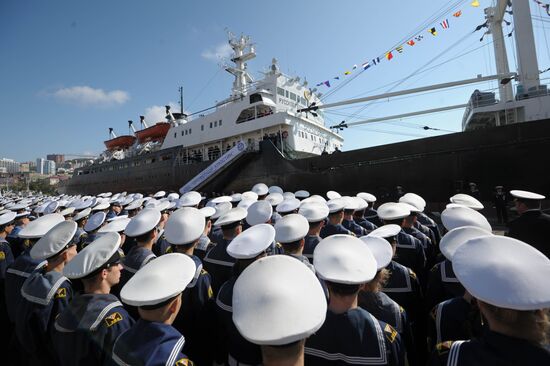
(120, 142)
(157, 132)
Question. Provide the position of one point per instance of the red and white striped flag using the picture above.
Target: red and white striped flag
(445, 24)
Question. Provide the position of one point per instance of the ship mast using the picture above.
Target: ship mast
(243, 50)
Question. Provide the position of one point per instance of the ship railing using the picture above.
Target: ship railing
(183, 159)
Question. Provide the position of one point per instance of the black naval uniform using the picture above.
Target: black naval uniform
(452, 319)
(372, 216)
(331, 229)
(239, 350)
(411, 254)
(219, 264)
(442, 284)
(311, 242)
(425, 241)
(136, 258)
(193, 317)
(87, 329)
(491, 349)
(427, 221)
(150, 344)
(354, 337)
(204, 245)
(532, 227)
(45, 296)
(354, 227)
(366, 224)
(6, 259)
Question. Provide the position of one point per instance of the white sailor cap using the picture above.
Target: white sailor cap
(81, 205)
(68, 211)
(173, 196)
(82, 214)
(275, 189)
(288, 195)
(102, 251)
(119, 217)
(39, 227)
(526, 195)
(159, 205)
(453, 239)
(301, 194)
(291, 228)
(21, 214)
(151, 202)
(41, 207)
(138, 195)
(386, 231)
(52, 206)
(7, 217)
(249, 195)
(370, 198)
(344, 259)
(466, 200)
(207, 211)
(105, 195)
(288, 205)
(95, 221)
(221, 208)
(259, 212)
(414, 200)
(260, 189)
(463, 216)
(381, 250)
(336, 205)
(360, 203)
(101, 206)
(246, 203)
(269, 290)
(315, 198)
(184, 226)
(314, 211)
(236, 197)
(252, 242)
(221, 199)
(56, 239)
(333, 194)
(149, 286)
(145, 221)
(21, 206)
(274, 198)
(411, 208)
(127, 200)
(135, 204)
(117, 225)
(232, 216)
(504, 272)
(159, 194)
(392, 211)
(350, 204)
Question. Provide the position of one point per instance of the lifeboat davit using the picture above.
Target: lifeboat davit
(156, 132)
(120, 142)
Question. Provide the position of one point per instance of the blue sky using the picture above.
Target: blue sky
(71, 69)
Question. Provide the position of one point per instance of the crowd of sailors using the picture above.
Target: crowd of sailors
(271, 277)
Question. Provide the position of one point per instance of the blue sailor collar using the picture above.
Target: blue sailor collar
(86, 312)
(39, 287)
(198, 271)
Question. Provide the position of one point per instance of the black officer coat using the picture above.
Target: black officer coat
(532, 227)
(87, 329)
(45, 296)
(354, 337)
(442, 284)
(491, 349)
(150, 344)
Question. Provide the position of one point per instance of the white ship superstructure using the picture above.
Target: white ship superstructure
(256, 110)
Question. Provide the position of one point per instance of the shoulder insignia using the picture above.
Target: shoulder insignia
(390, 332)
(401, 309)
(412, 274)
(278, 245)
(433, 312)
(113, 319)
(168, 250)
(27, 243)
(444, 347)
(210, 292)
(61, 293)
(184, 362)
(2, 256)
(204, 272)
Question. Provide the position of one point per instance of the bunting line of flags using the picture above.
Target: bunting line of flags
(445, 24)
(544, 6)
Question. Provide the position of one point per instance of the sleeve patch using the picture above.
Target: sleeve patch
(61, 293)
(390, 332)
(412, 274)
(203, 272)
(113, 319)
(210, 292)
(2, 256)
(184, 362)
(444, 347)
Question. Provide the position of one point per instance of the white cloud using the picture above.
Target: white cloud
(88, 96)
(157, 113)
(218, 53)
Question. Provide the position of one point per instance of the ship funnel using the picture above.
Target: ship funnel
(131, 126)
(112, 133)
(143, 123)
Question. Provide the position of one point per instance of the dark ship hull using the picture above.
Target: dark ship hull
(514, 156)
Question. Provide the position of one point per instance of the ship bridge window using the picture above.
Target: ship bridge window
(202, 127)
(220, 122)
(255, 98)
(215, 123)
(281, 92)
(264, 110)
(293, 96)
(247, 115)
(303, 101)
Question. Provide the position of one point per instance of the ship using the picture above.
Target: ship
(273, 130)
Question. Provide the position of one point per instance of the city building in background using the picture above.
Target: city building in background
(10, 165)
(57, 158)
(46, 167)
